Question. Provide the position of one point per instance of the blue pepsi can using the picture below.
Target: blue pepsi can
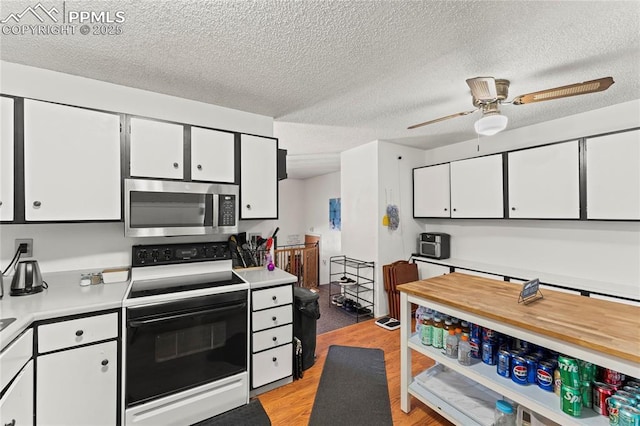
(532, 368)
(489, 335)
(474, 331)
(504, 363)
(519, 370)
(476, 348)
(544, 375)
(489, 353)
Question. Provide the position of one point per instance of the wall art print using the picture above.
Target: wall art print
(334, 213)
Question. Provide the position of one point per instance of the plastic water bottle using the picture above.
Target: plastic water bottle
(464, 351)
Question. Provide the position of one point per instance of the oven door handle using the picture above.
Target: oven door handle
(142, 323)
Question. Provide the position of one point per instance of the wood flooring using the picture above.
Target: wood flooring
(291, 404)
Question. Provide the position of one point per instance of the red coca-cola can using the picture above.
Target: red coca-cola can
(612, 377)
(601, 391)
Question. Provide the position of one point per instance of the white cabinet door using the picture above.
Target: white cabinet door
(16, 405)
(431, 196)
(71, 163)
(258, 178)
(78, 386)
(544, 183)
(212, 155)
(613, 176)
(6, 159)
(156, 149)
(476, 187)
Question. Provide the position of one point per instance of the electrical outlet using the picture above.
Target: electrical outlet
(29, 243)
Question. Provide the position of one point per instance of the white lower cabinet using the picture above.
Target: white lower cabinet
(273, 365)
(78, 386)
(16, 405)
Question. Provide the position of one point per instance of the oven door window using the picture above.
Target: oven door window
(180, 345)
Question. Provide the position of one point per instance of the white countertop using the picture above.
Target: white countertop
(620, 290)
(64, 296)
(262, 277)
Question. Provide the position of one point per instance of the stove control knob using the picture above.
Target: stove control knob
(208, 252)
(142, 255)
(167, 254)
(155, 254)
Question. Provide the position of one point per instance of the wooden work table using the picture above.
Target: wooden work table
(602, 332)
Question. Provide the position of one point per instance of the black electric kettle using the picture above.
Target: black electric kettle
(27, 279)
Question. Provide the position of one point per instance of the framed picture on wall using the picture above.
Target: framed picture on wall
(334, 213)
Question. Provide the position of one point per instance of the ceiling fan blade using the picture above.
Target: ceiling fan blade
(583, 88)
(442, 119)
(483, 88)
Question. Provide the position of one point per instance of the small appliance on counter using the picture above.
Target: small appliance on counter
(27, 279)
(434, 245)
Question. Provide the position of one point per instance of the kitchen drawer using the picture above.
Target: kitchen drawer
(272, 365)
(271, 297)
(15, 356)
(67, 334)
(271, 318)
(271, 338)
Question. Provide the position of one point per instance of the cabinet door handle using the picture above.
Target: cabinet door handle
(275, 338)
(274, 359)
(249, 206)
(11, 423)
(455, 210)
(37, 204)
(79, 333)
(274, 298)
(175, 165)
(513, 208)
(445, 209)
(0, 203)
(105, 362)
(273, 318)
(199, 166)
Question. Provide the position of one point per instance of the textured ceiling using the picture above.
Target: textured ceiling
(337, 74)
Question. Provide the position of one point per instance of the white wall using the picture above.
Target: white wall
(38, 83)
(599, 251)
(318, 190)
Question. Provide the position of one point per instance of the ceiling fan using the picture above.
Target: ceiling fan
(489, 93)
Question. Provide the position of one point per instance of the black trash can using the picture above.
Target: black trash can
(306, 311)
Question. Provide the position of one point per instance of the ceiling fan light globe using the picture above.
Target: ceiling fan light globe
(491, 124)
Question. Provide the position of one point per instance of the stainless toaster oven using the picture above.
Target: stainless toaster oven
(434, 244)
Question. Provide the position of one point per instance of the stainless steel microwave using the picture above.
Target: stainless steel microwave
(434, 244)
(159, 208)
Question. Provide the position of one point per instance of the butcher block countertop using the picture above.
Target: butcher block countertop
(608, 327)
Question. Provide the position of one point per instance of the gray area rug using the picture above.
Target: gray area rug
(252, 414)
(331, 316)
(353, 389)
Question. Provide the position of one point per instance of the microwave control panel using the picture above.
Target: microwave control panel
(227, 210)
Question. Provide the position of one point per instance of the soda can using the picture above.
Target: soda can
(633, 384)
(629, 395)
(504, 363)
(489, 353)
(570, 400)
(544, 375)
(525, 346)
(519, 370)
(600, 392)
(474, 331)
(587, 395)
(476, 348)
(629, 416)
(612, 377)
(489, 335)
(587, 371)
(532, 368)
(503, 342)
(614, 403)
(557, 381)
(569, 371)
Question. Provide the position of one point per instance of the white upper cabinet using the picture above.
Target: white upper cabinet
(258, 177)
(476, 187)
(71, 163)
(156, 149)
(431, 196)
(6, 159)
(544, 182)
(212, 155)
(613, 176)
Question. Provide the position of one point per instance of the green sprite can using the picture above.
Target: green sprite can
(569, 371)
(587, 397)
(587, 371)
(571, 400)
